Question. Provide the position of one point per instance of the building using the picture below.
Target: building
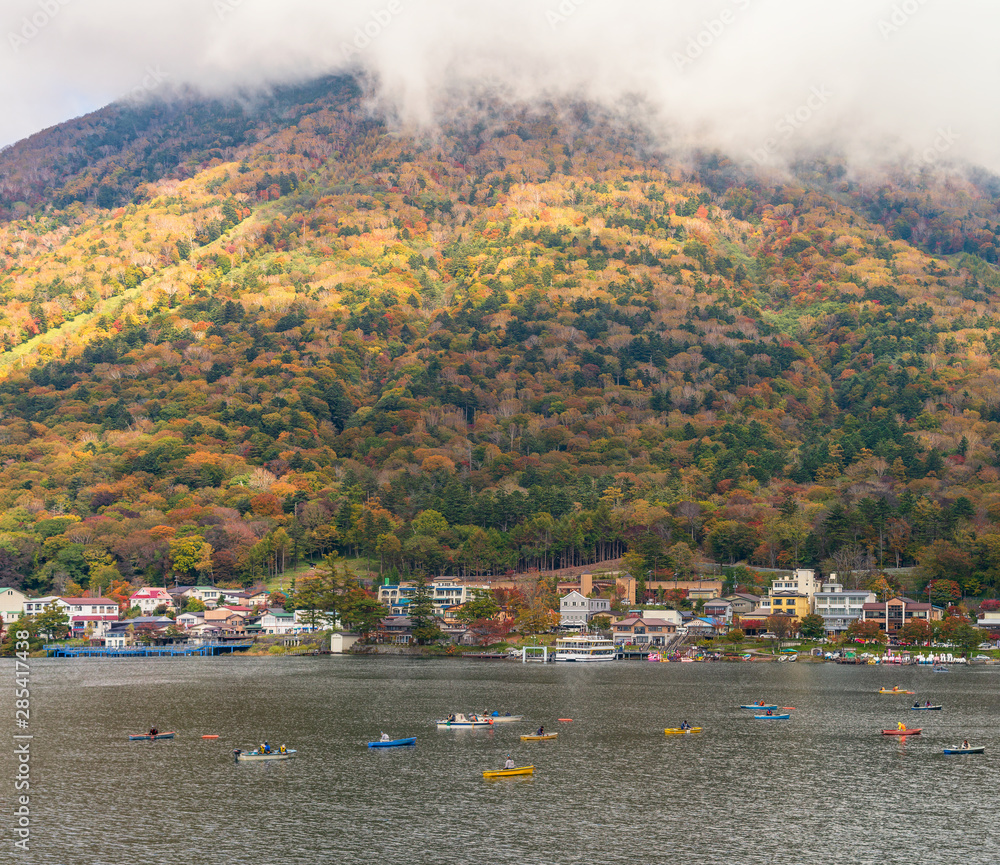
(802, 580)
(898, 612)
(840, 607)
(638, 631)
(148, 599)
(742, 603)
(789, 603)
(11, 605)
(576, 610)
(444, 592)
(719, 609)
(277, 621)
(34, 606)
(396, 629)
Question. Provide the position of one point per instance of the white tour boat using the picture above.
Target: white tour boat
(583, 648)
(458, 721)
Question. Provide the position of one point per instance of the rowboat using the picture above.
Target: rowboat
(503, 719)
(508, 773)
(940, 670)
(925, 708)
(981, 749)
(257, 757)
(534, 738)
(460, 721)
(393, 743)
(674, 731)
(145, 737)
(759, 708)
(894, 691)
(772, 717)
(914, 732)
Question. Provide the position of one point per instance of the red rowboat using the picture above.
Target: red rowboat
(913, 732)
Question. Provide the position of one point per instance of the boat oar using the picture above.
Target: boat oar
(788, 708)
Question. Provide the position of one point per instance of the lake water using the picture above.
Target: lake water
(821, 788)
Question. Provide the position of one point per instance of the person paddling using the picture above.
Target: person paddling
(153, 732)
(965, 744)
(509, 764)
(901, 725)
(541, 731)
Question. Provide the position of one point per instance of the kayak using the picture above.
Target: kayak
(393, 743)
(210, 736)
(772, 717)
(894, 691)
(759, 708)
(674, 731)
(914, 732)
(257, 757)
(978, 750)
(509, 773)
(145, 737)
(534, 738)
(925, 708)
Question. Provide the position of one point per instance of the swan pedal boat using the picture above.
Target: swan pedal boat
(257, 757)
(772, 717)
(393, 743)
(925, 708)
(914, 732)
(509, 773)
(536, 738)
(978, 750)
(676, 731)
(145, 737)
(894, 691)
(759, 708)
(462, 722)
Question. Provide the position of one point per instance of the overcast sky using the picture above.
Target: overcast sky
(757, 77)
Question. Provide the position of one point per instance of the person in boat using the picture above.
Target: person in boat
(900, 725)
(451, 717)
(509, 764)
(769, 712)
(267, 748)
(282, 748)
(916, 704)
(927, 703)
(541, 731)
(760, 703)
(385, 737)
(685, 725)
(965, 744)
(153, 732)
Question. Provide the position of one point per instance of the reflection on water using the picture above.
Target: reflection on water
(823, 787)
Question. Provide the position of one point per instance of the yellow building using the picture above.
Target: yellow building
(793, 603)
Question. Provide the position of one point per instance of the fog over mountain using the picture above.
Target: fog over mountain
(759, 78)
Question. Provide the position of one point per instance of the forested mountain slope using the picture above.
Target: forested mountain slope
(239, 333)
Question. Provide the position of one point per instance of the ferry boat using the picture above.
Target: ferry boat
(583, 648)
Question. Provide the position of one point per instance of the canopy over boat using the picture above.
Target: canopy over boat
(393, 743)
(256, 756)
(509, 773)
(146, 737)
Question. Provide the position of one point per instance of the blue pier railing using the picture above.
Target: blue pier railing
(182, 651)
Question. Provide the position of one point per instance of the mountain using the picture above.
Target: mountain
(240, 332)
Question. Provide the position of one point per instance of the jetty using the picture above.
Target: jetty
(183, 651)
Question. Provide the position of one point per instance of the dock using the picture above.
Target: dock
(202, 649)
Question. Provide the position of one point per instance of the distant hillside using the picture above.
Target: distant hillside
(236, 335)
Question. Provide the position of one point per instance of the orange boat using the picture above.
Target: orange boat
(914, 732)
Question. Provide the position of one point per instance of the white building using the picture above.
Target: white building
(149, 598)
(445, 592)
(576, 609)
(277, 621)
(802, 580)
(11, 605)
(840, 607)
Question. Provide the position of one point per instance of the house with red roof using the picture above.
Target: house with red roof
(149, 598)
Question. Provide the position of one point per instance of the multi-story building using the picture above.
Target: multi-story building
(840, 607)
(896, 613)
(576, 610)
(445, 592)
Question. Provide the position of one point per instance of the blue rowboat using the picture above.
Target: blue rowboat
(759, 708)
(393, 743)
(925, 708)
(978, 750)
(772, 717)
(146, 737)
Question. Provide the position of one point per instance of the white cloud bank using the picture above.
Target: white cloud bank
(756, 77)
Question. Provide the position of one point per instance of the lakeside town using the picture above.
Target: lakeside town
(660, 618)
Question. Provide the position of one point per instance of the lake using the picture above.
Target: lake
(823, 787)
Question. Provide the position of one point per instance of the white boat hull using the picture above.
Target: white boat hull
(582, 656)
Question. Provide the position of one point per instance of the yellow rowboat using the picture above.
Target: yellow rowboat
(674, 731)
(509, 773)
(534, 738)
(894, 691)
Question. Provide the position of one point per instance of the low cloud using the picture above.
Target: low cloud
(904, 77)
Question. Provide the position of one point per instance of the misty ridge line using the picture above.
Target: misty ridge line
(719, 75)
